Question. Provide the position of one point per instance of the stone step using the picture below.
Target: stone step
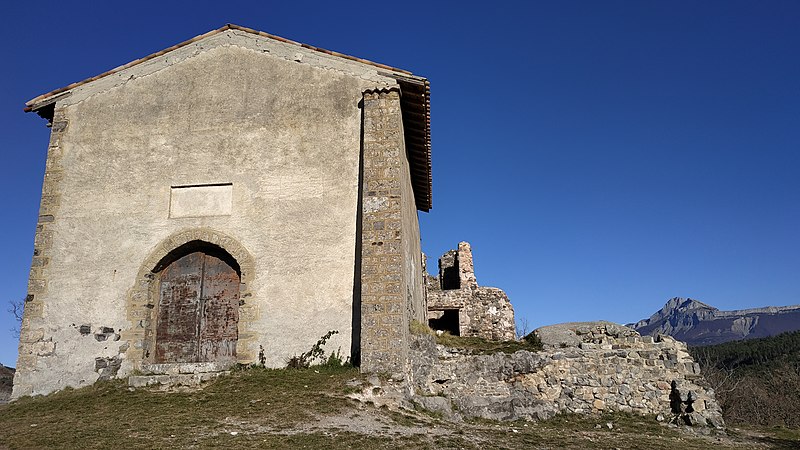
(173, 381)
(185, 368)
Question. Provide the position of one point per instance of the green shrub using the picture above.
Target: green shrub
(317, 354)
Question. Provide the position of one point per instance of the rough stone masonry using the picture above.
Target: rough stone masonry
(457, 304)
(586, 367)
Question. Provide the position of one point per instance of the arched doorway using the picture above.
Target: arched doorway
(198, 305)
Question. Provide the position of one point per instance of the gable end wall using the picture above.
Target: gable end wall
(284, 133)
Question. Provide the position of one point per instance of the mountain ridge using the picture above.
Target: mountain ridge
(698, 323)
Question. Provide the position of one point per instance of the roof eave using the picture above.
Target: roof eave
(415, 106)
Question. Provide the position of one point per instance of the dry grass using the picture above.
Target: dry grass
(480, 346)
(108, 412)
(476, 345)
(259, 408)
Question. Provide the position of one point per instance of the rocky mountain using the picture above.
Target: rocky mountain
(697, 323)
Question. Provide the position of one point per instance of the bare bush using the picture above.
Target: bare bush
(767, 397)
(523, 328)
(757, 381)
(16, 308)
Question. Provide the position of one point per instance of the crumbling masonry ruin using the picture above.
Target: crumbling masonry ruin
(586, 367)
(458, 305)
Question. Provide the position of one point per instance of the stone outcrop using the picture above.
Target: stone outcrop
(609, 369)
(697, 323)
(457, 304)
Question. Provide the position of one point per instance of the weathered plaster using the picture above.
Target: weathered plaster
(278, 50)
(283, 127)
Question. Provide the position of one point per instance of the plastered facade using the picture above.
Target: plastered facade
(281, 128)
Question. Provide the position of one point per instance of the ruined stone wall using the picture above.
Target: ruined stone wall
(482, 311)
(624, 372)
(448, 271)
(430, 282)
(466, 266)
(278, 124)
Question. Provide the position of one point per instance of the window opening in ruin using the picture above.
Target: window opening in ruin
(198, 308)
(450, 277)
(449, 274)
(445, 320)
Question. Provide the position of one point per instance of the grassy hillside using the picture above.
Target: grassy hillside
(756, 381)
(309, 408)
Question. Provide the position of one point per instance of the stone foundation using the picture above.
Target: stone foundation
(176, 376)
(627, 374)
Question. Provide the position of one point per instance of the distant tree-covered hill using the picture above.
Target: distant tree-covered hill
(757, 381)
(752, 355)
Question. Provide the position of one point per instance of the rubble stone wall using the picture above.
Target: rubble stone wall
(466, 266)
(391, 278)
(615, 373)
(482, 311)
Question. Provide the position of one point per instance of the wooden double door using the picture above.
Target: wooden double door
(198, 310)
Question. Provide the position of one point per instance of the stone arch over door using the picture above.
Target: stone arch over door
(145, 303)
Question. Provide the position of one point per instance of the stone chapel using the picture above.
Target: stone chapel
(235, 194)
(235, 197)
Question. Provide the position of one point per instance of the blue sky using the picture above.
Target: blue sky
(601, 157)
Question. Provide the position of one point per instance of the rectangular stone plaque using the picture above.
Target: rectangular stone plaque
(201, 200)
